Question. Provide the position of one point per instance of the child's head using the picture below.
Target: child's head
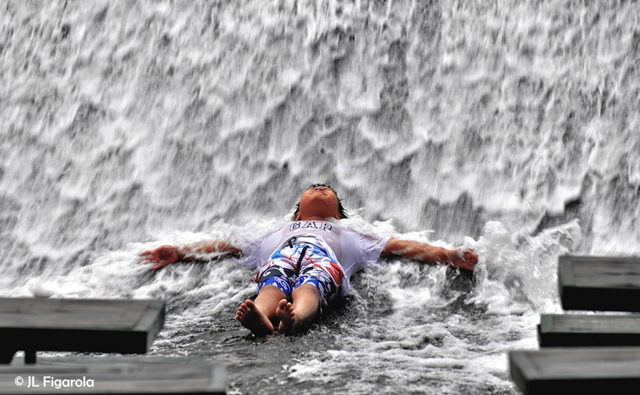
(319, 200)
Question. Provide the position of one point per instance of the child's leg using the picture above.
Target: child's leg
(302, 312)
(267, 302)
(260, 316)
(318, 283)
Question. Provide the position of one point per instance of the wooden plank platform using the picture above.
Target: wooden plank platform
(599, 283)
(576, 370)
(124, 375)
(572, 330)
(86, 325)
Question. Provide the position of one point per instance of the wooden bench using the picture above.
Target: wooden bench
(599, 283)
(572, 330)
(576, 370)
(85, 325)
(122, 375)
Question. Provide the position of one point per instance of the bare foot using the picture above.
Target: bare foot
(286, 315)
(252, 318)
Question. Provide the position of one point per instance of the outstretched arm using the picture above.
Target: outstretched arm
(167, 254)
(426, 253)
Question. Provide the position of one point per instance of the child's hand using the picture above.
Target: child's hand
(161, 256)
(464, 259)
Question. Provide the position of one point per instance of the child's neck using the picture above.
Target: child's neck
(314, 218)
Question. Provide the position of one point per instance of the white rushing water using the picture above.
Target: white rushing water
(510, 127)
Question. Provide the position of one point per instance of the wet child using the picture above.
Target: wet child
(308, 263)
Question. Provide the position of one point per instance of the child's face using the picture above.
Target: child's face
(318, 201)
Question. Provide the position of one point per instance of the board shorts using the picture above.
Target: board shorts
(294, 265)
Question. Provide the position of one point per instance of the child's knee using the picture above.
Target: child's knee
(277, 282)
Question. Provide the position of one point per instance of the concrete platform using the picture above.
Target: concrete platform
(576, 370)
(123, 375)
(573, 330)
(599, 283)
(85, 325)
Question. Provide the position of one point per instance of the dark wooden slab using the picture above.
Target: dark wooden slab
(576, 370)
(572, 330)
(124, 375)
(87, 325)
(599, 283)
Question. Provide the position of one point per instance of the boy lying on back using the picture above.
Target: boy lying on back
(309, 262)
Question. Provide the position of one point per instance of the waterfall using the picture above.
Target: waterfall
(511, 127)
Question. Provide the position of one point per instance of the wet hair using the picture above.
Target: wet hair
(341, 210)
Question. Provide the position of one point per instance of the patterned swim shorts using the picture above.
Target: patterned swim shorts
(297, 264)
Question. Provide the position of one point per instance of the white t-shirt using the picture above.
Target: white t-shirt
(354, 251)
